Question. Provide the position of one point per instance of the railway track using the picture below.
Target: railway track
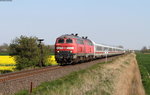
(26, 73)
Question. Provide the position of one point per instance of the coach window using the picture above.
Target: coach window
(61, 41)
(69, 41)
(110, 49)
(99, 48)
(113, 49)
(105, 49)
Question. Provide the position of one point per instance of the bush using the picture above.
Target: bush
(28, 53)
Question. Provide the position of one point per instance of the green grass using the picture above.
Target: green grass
(144, 65)
(75, 84)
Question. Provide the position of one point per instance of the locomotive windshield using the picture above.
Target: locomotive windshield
(61, 41)
(69, 41)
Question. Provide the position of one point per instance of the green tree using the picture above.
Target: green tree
(4, 49)
(27, 52)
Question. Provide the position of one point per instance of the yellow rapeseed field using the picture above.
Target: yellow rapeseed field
(8, 62)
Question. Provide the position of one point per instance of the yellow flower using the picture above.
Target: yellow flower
(51, 60)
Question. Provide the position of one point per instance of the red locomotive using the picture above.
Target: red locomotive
(71, 49)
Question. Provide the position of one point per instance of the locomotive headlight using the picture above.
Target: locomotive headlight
(70, 48)
(59, 47)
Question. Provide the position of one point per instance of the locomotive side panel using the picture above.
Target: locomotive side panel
(80, 47)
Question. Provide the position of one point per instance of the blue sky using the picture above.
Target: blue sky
(112, 22)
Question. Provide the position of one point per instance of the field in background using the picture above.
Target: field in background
(144, 65)
(7, 63)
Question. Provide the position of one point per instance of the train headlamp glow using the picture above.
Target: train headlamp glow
(59, 47)
(70, 47)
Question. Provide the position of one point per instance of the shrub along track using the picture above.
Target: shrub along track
(13, 82)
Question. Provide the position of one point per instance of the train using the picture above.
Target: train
(72, 49)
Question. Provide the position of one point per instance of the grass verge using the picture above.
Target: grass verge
(83, 82)
(144, 65)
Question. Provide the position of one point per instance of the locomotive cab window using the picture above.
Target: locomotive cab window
(60, 40)
(90, 43)
(69, 41)
(80, 41)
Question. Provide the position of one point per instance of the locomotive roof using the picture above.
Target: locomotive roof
(72, 36)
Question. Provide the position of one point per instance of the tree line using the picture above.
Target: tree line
(145, 49)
